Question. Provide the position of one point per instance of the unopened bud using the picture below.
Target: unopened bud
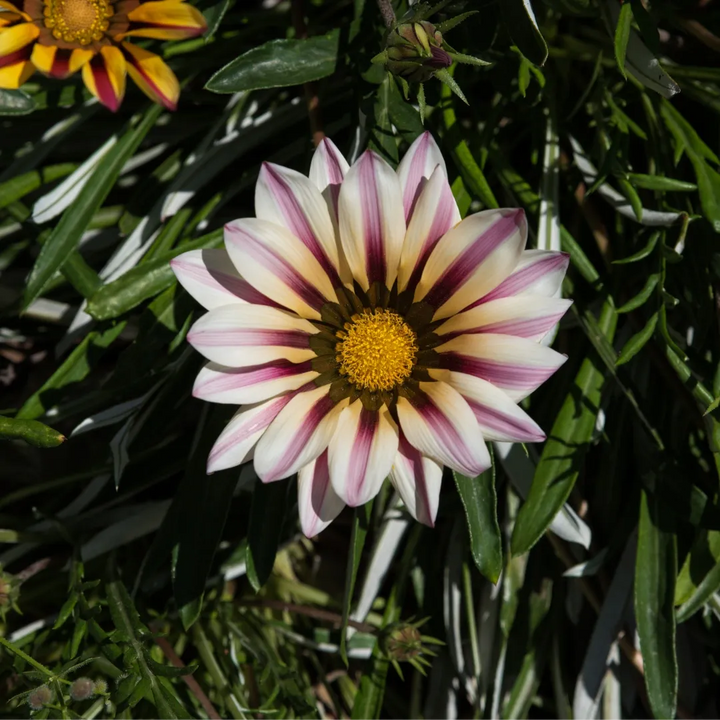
(40, 697)
(101, 687)
(414, 51)
(82, 689)
(403, 643)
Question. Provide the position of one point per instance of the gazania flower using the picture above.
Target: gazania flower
(60, 37)
(368, 332)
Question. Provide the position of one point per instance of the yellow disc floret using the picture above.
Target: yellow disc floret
(377, 350)
(77, 21)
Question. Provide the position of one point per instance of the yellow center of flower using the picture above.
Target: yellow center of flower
(77, 21)
(377, 350)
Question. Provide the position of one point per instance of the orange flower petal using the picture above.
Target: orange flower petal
(166, 20)
(9, 18)
(152, 75)
(58, 62)
(15, 38)
(104, 76)
(13, 76)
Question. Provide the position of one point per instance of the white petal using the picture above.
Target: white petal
(242, 335)
(236, 442)
(327, 170)
(499, 418)
(362, 452)
(515, 365)
(472, 259)
(416, 167)
(211, 278)
(440, 424)
(277, 264)
(318, 504)
(418, 479)
(286, 197)
(241, 386)
(298, 434)
(527, 316)
(435, 213)
(372, 227)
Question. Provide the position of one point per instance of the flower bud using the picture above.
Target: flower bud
(414, 51)
(101, 686)
(82, 689)
(40, 697)
(402, 642)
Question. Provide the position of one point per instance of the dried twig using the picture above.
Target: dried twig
(387, 12)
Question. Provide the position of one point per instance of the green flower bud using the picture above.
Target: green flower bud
(101, 686)
(414, 51)
(9, 593)
(82, 689)
(40, 697)
(403, 643)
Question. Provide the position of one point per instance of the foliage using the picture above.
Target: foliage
(133, 585)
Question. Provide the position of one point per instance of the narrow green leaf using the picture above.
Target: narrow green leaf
(31, 431)
(480, 503)
(75, 220)
(640, 254)
(703, 592)
(704, 555)
(658, 182)
(638, 341)
(16, 102)
(562, 455)
(21, 185)
(655, 571)
(648, 29)
(520, 21)
(66, 610)
(380, 128)
(643, 296)
(267, 512)
(622, 35)
(279, 63)
(633, 198)
(369, 698)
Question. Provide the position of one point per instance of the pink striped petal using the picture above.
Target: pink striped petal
(245, 385)
(527, 316)
(538, 272)
(289, 199)
(238, 336)
(362, 452)
(515, 365)
(472, 259)
(318, 504)
(211, 278)
(277, 264)
(372, 227)
(499, 418)
(440, 424)
(236, 442)
(416, 167)
(298, 435)
(418, 479)
(435, 213)
(327, 170)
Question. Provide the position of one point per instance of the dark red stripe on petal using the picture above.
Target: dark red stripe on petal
(510, 377)
(505, 425)
(103, 85)
(166, 101)
(360, 455)
(370, 204)
(250, 337)
(61, 63)
(20, 55)
(414, 458)
(236, 378)
(189, 30)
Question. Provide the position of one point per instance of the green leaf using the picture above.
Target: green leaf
(704, 555)
(279, 63)
(633, 198)
(640, 254)
(562, 456)
(710, 582)
(360, 526)
(622, 35)
(520, 21)
(31, 431)
(480, 503)
(267, 512)
(75, 220)
(369, 698)
(16, 102)
(638, 341)
(22, 185)
(380, 127)
(643, 296)
(655, 571)
(658, 182)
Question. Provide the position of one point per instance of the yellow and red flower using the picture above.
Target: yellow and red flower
(60, 37)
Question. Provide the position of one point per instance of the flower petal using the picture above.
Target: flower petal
(236, 442)
(16, 38)
(12, 76)
(318, 503)
(104, 76)
(59, 62)
(372, 227)
(472, 259)
(211, 278)
(440, 424)
(277, 264)
(362, 452)
(435, 213)
(166, 20)
(416, 167)
(327, 170)
(516, 365)
(242, 335)
(418, 479)
(286, 197)
(241, 386)
(499, 418)
(152, 75)
(298, 435)
(527, 316)
(538, 272)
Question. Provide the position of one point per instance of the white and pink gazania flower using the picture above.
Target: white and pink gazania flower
(368, 332)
